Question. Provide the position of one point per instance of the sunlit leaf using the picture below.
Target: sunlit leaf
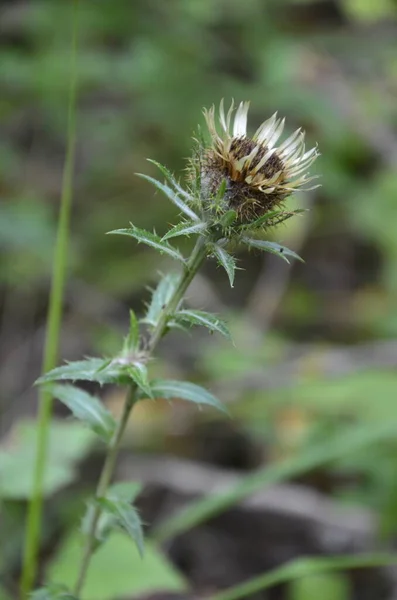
(151, 239)
(86, 408)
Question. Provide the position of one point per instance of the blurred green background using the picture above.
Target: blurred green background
(315, 345)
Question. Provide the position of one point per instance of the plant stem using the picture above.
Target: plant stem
(190, 270)
(103, 484)
(54, 317)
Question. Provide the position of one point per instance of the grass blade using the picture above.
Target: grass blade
(34, 517)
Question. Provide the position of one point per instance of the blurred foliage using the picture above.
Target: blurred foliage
(116, 570)
(68, 444)
(146, 69)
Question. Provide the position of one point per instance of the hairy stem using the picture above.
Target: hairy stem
(190, 270)
(34, 516)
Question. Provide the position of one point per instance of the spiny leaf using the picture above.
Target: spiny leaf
(274, 216)
(91, 369)
(173, 196)
(228, 218)
(226, 260)
(124, 490)
(87, 409)
(185, 228)
(138, 373)
(221, 192)
(131, 342)
(121, 371)
(169, 389)
(199, 317)
(161, 296)
(271, 247)
(151, 239)
(170, 177)
(126, 517)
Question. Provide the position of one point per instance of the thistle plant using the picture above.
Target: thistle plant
(235, 190)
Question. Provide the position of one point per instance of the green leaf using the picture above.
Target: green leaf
(69, 443)
(151, 239)
(138, 372)
(91, 369)
(221, 192)
(53, 592)
(161, 296)
(169, 389)
(275, 216)
(131, 342)
(271, 247)
(170, 177)
(126, 517)
(116, 569)
(199, 317)
(228, 218)
(226, 260)
(173, 196)
(86, 408)
(185, 228)
(124, 490)
(327, 586)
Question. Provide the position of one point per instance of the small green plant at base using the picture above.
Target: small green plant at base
(235, 190)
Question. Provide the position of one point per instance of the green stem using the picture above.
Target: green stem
(103, 484)
(54, 317)
(190, 270)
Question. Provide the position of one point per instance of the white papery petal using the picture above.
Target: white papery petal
(240, 120)
(222, 116)
(265, 129)
(292, 141)
(229, 116)
(273, 139)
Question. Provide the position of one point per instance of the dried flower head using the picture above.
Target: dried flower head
(258, 175)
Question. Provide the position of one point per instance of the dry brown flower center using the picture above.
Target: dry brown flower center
(241, 147)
